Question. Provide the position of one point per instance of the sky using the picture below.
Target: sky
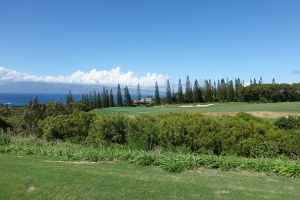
(140, 41)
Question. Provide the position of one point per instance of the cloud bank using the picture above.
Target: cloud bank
(104, 77)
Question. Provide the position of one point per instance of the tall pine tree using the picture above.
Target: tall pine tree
(86, 101)
(168, 93)
(261, 80)
(138, 93)
(156, 95)
(230, 91)
(82, 98)
(94, 99)
(91, 101)
(99, 104)
(238, 88)
(105, 98)
(207, 91)
(180, 98)
(188, 91)
(174, 98)
(214, 90)
(119, 96)
(70, 99)
(111, 99)
(197, 97)
(254, 81)
(128, 101)
(223, 95)
(219, 91)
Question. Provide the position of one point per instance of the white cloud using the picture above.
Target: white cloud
(104, 77)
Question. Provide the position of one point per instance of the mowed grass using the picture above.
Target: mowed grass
(31, 177)
(288, 107)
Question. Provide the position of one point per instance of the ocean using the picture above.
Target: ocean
(23, 99)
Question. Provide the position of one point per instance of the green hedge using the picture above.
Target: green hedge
(242, 135)
(73, 127)
(291, 122)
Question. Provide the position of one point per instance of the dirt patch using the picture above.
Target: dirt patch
(261, 114)
(230, 173)
(31, 189)
(273, 114)
(222, 192)
(207, 172)
(83, 162)
(220, 113)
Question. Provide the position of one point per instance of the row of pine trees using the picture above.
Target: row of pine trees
(105, 98)
(220, 91)
(209, 92)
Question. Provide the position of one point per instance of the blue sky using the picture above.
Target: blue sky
(203, 38)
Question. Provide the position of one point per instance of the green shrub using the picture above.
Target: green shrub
(141, 133)
(291, 122)
(4, 138)
(243, 134)
(107, 130)
(73, 127)
(268, 149)
(223, 135)
(171, 164)
(4, 124)
(145, 159)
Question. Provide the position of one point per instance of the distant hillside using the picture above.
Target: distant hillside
(47, 88)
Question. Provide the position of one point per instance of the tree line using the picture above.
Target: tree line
(103, 99)
(223, 90)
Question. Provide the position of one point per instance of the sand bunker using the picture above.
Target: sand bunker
(199, 105)
(186, 106)
(206, 105)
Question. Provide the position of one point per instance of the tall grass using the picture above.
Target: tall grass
(170, 162)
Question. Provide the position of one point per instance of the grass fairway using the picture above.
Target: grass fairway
(30, 177)
(287, 107)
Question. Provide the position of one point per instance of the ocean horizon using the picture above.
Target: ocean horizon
(22, 99)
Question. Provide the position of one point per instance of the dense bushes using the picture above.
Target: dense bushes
(72, 127)
(4, 137)
(4, 124)
(291, 122)
(242, 135)
(13, 117)
(270, 93)
(142, 132)
(107, 130)
(215, 135)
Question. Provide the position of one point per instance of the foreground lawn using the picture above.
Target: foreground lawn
(289, 107)
(30, 177)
